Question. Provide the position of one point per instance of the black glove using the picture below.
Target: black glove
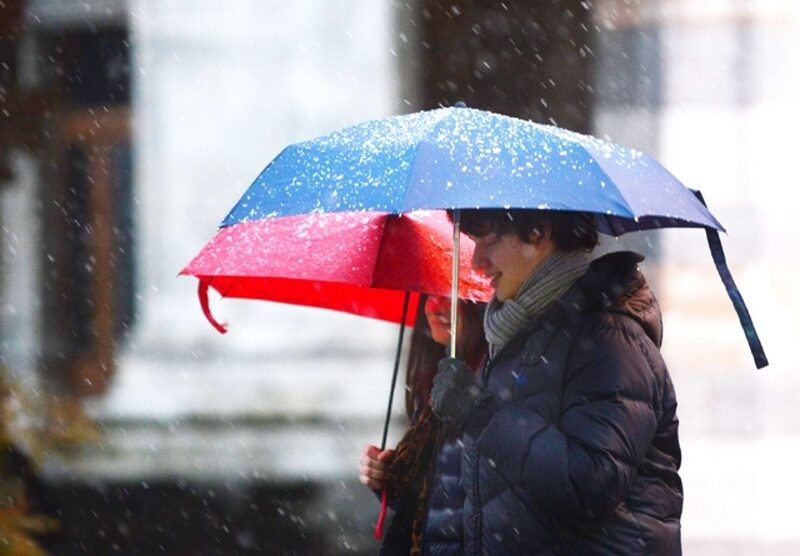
(458, 397)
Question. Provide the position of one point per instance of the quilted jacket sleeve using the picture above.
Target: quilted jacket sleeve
(581, 467)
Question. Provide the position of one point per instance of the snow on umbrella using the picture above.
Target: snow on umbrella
(360, 263)
(466, 158)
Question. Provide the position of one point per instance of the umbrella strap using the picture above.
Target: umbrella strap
(202, 295)
(715, 244)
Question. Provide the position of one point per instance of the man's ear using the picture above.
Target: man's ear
(541, 233)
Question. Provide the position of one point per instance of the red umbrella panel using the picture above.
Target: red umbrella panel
(356, 262)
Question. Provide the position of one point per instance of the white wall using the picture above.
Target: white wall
(219, 90)
(732, 78)
(731, 82)
(724, 121)
(20, 253)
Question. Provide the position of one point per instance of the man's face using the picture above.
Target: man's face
(508, 261)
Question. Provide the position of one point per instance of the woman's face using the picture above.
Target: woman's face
(507, 261)
(437, 311)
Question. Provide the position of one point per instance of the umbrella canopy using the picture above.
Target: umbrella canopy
(466, 158)
(365, 263)
(460, 158)
(360, 263)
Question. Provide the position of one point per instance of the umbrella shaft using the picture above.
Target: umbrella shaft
(399, 351)
(454, 282)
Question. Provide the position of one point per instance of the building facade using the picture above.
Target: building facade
(134, 126)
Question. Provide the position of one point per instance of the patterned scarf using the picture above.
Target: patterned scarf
(408, 471)
(549, 281)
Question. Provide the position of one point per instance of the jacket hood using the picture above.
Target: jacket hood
(614, 283)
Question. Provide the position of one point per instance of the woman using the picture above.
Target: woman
(423, 474)
(570, 432)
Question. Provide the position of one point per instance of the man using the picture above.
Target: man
(570, 432)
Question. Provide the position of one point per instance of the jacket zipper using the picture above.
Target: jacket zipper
(478, 509)
(477, 530)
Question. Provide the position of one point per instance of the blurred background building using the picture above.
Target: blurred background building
(129, 127)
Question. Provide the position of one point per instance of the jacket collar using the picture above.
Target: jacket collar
(613, 283)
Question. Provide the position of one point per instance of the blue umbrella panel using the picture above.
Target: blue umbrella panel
(466, 158)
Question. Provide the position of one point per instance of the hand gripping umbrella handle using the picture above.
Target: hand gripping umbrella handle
(715, 244)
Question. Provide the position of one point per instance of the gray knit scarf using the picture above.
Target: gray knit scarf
(549, 281)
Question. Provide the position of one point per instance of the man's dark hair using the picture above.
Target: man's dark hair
(569, 230)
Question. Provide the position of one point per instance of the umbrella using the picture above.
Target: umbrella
(361, 263)
(466, 158)
(365, 263)
(457, 158)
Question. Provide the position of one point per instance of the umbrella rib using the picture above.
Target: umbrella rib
(233, 282)
(631, 214)
(227, 220)
(413, 171)
(385, 219)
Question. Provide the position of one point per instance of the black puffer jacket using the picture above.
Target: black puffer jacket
(581, 456)
(442, 535)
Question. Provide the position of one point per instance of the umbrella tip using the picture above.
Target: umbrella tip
(460, 104)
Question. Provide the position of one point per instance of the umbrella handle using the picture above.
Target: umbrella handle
(202, 295)
(382, 515)
(454, 282)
